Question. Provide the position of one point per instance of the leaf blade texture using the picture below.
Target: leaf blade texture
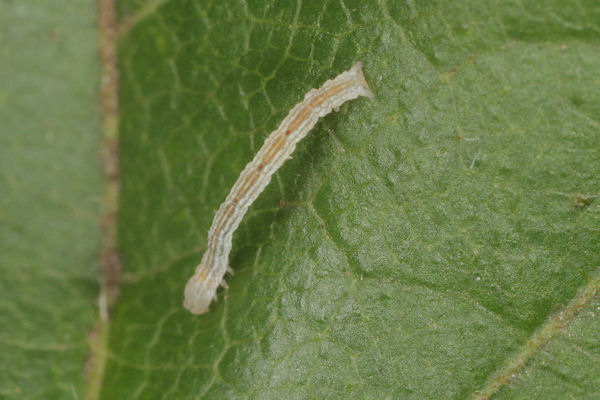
(413, 246)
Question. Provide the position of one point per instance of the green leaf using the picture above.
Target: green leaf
(50, 189)
(421, 245)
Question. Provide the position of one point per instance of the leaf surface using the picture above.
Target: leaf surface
(415, 246)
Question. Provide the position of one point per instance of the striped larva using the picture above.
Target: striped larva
(279, 145)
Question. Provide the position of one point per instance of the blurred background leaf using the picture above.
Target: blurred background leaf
(50, 189)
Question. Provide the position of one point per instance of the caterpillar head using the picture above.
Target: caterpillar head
(198, 295)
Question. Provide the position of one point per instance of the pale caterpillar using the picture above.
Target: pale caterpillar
(279, 145)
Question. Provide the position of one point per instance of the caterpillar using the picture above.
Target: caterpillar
(201, 289)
